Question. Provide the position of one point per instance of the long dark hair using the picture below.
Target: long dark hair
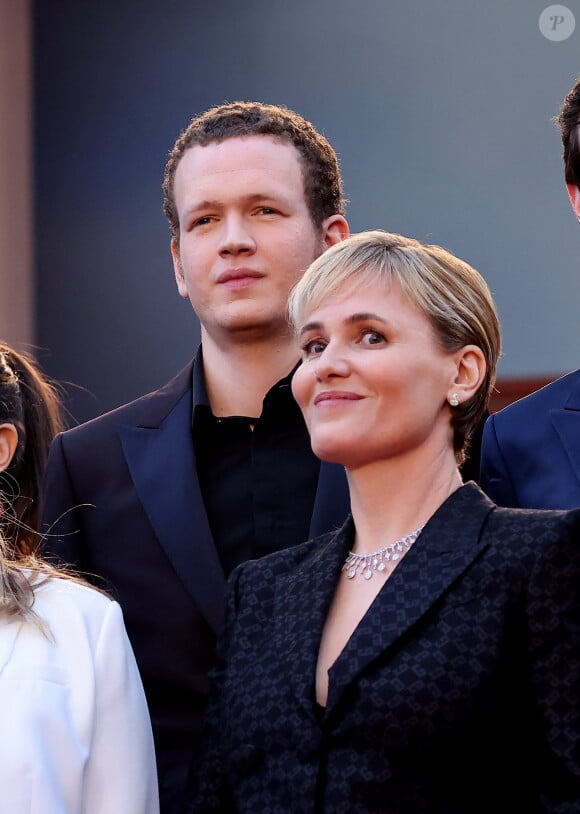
(30, 401)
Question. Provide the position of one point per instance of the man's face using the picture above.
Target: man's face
(246, 235)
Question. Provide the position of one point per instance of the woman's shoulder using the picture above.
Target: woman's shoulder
(71, 624)
(278, 562)
(546, 522)
(540, 537)
(281, 563)
(58, 598)
(470, 501)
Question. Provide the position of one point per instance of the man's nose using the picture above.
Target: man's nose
(236, 237)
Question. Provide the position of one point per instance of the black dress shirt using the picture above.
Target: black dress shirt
(257, 474)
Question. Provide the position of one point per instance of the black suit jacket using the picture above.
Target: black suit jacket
(123, 502)
(458, 693)
(531, 450)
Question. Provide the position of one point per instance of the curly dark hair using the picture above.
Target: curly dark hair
(320, 169)
(569, 122)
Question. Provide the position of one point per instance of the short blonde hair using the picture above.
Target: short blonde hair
(451, 293)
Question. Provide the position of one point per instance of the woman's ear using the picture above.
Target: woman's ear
(8, 445)
(470, 373)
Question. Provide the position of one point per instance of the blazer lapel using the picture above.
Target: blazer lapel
(301, 605)
(448, 544)
(162, 465)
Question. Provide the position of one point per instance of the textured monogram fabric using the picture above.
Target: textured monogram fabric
(458, 693)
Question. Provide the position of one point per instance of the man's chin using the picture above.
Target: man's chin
(254, 327)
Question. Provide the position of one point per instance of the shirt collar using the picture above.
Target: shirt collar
(200, 396)
(279, 391)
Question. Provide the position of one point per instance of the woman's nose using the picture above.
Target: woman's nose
(332, 362)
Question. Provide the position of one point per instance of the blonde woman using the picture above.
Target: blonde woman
(425, 657)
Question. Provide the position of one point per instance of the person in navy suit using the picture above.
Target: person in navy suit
(164, 496)
(530, 451)
(425, 656)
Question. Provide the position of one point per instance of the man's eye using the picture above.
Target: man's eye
(202, 221)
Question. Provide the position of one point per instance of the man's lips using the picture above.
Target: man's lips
(237, 278)
(336, 396)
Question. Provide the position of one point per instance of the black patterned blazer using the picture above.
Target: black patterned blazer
(459, 692)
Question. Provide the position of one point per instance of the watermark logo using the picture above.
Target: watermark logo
(557, 23)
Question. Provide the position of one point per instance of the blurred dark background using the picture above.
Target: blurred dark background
(440, 111)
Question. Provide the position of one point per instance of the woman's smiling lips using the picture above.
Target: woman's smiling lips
(331, 398)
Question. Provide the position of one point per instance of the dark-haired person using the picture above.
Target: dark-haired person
(163, 497)
(530, 453)
(425, 656)
(76, 731)
(32, 406)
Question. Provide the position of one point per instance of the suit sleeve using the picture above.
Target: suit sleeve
(121, 773)
(553, 614)
(61, 523)
(494, 477)
(209, 779)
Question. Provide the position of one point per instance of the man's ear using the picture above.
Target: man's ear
(470, 373)
(178, 269)
(8, 445)
(334, 229)
(574, 195)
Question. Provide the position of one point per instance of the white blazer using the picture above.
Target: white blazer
(75, 734)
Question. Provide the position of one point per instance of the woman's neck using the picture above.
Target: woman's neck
(389, 499)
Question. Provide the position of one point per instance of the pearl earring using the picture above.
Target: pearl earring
(454, 400)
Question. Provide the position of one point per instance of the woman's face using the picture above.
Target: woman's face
(374, 381)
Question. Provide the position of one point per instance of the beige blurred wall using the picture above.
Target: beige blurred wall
(16, 227)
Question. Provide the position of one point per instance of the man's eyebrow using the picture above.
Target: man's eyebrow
(196, 206)
(209, 203)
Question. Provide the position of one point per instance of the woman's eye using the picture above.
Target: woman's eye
(313, 348)
(370, 337)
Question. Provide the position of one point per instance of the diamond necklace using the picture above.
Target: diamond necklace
(366, 564)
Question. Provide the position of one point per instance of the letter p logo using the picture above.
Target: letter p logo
(557, 23)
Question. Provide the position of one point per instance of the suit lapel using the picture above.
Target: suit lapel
(332, 500)
(162, 465)
(567, 424)
(447, 546)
